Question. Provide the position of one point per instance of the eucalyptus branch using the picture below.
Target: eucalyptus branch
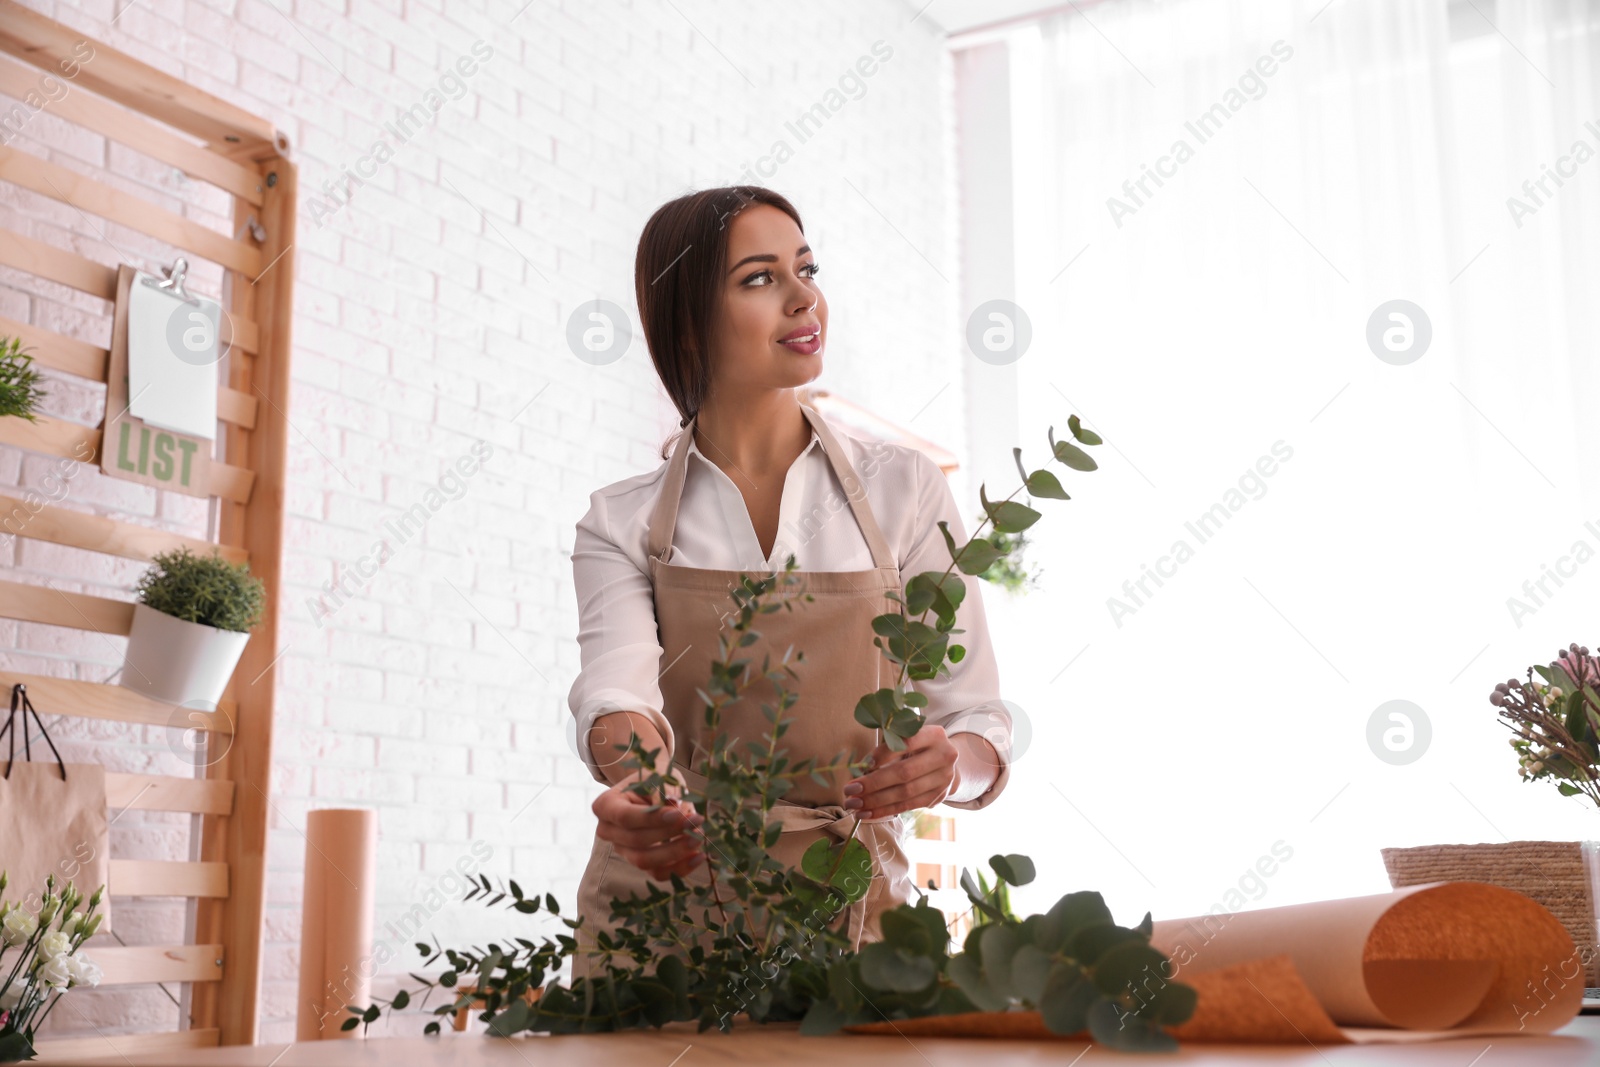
(800, 967)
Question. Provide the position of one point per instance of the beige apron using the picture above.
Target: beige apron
(841, 665)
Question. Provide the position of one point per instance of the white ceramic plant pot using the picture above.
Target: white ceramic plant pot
(178, 661)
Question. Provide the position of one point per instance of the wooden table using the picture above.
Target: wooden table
(678, 1045)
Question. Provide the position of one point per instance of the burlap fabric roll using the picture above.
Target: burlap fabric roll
(1554, 873)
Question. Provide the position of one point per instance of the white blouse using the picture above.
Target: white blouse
(619, 646)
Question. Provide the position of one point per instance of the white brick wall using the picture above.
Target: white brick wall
(431, 310)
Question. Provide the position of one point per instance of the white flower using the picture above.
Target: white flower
(12, 995)
(18, 927)
(85, 971)
(55, 943)
(56, 972)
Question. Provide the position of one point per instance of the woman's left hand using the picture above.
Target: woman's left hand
(921, 776)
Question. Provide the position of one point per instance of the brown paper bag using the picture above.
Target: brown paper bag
(52, 820)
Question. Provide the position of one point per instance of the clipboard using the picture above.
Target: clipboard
(173, 349)
(132, 448)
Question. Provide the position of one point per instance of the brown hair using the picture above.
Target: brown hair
(677, 282)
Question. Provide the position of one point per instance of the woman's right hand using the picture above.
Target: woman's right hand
(659, 842)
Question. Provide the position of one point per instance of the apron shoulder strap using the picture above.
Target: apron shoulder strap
(664, 517)
(854, 491)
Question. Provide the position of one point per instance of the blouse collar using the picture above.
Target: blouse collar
(815, 442)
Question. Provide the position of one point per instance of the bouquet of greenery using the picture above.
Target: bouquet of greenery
(46, 963)
(1556, 722)
(758, 938)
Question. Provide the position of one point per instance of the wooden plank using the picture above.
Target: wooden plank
(97, 700)
(55, 437)
(59, 266)
(59, 352)
(139, 964)
(87, 276)
(237, 408)
(166, 878)
(48, 44)
(137, 132)
(96, 533)
(120, 1046)
(164, 792)
(136, 213)
(80, 358)
(71, 440)
(57, 607)
(241, 841)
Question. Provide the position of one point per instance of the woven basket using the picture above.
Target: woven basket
(1554, 873)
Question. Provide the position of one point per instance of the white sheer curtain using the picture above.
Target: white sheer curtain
(1369, 157)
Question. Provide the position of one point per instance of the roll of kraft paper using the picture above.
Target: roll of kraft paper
(336, 924)
(1424, 963)
(1428, 962)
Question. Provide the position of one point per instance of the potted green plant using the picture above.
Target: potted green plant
(19, 382)
(190, 625)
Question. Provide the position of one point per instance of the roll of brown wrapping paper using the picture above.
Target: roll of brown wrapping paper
(336, 923)
(1428, 962)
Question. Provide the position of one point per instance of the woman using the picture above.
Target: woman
(735, 322)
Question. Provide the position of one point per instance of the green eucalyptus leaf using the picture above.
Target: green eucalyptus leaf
(1171, 1003)
(513, 1019)
(936, 590)
(978, 897)
(823, 1017)
(886, 967)
(846, 866)
(905, 723)
(1078, 910)
(903, 928)
(1043, 483)
(1126, 1031)
(1092, 942)
(963, 969)
(400, 1001)
(1009, 516)
(1066, 999)
(841, 987)
(875, 709)
(1074, 457)
(1000, 943)
(1014, 868)
(1088, 437)
(656, 1001)
(1131, 966)
(1030, 968)
(973, 558)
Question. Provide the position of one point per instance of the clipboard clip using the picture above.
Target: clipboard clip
(173, 282)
